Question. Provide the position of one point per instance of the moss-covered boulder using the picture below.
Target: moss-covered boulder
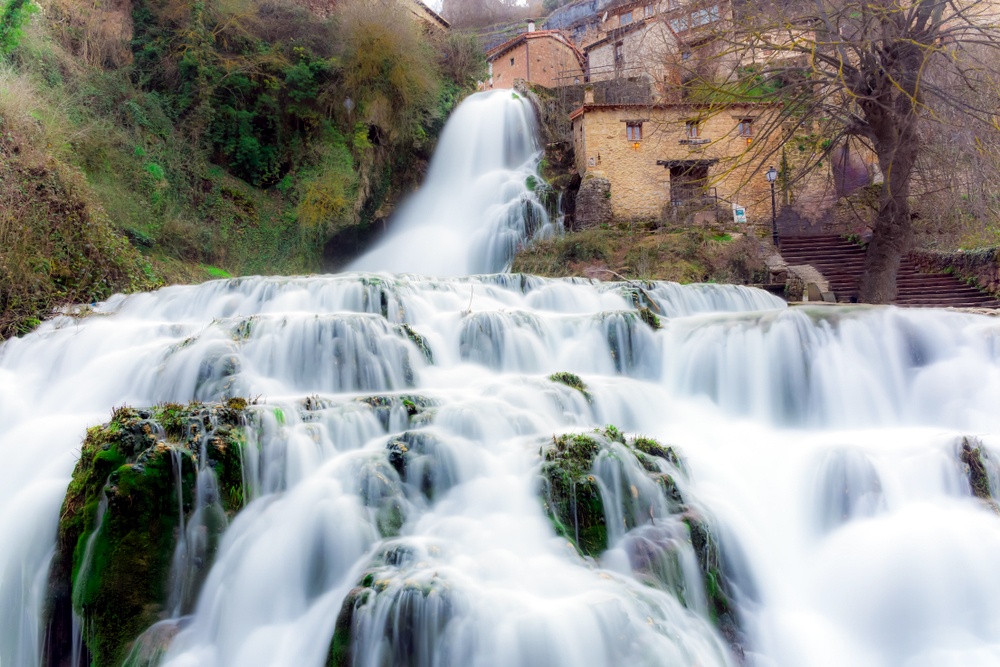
(580, 507)
(419, 341)
(400, 608)
(972, 455)
(718, 582)
(570, 494)
(572, 381)
(423, 462)
(120, 520)
(417, 409)
(649, 318)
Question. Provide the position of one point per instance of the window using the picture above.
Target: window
(704, 16)
(692, 129)
(685, 56)
(511, 62)
(745, 128)
(626, 18)
(647, 11)
(633, 130)
(619, 55)
(695, 19)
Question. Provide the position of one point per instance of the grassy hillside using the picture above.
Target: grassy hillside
(150, 141)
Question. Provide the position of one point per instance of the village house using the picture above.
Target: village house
(543, 57)
(673, 159)
(582, 21)
(668, 43)
(632, 46)
(650, 139)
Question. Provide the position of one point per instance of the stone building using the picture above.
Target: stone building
(674, 159)
(667, 42)
(543, 57)
(632, 47)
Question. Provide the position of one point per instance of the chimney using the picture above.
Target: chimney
(531, 25)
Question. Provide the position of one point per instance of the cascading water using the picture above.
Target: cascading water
(810, 487)
(480, 201)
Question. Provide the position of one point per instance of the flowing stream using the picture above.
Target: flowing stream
(821, 446)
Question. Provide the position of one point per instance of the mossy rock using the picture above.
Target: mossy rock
(971, 453)
(571, 496)
(418, 408)
(572, 381)
(718, 585)
(422, 461)
(418, 340)
(420, 606)
(650, 318)
(113, 570)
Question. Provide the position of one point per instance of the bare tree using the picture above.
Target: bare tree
(481, 13)
(874, 70)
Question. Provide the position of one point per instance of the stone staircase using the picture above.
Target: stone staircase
(841, 262)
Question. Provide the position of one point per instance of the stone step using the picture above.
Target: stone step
(842, 262)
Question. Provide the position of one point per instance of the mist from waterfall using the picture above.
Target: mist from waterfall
(821, 448)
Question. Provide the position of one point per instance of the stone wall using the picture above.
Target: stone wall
(593, 202)
(981, 266)
(640, 188)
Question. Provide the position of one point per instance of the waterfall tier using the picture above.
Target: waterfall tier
(424, 485)
(482, 199)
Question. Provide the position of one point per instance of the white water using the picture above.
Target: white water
(820, 446)
(478, 204)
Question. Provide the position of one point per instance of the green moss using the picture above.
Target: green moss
(419, 341)
(707, 551)
(417, 407)
(571, 496)
(612, 433)
(572, 381)
(971, 454)
(651, 447)
(114, 573)
(405, 622)
(650, 318)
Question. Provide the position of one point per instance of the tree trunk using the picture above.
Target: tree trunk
(897, 145)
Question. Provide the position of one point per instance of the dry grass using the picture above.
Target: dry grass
(682, 255)
(56, 244)
(98, 33)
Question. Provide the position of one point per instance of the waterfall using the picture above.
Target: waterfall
(481, 200)
(507, 470)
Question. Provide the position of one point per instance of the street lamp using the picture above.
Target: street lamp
(772, 176)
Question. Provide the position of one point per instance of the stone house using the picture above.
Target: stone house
(581, 21)
(666, 42)
(543, 57)
(674, 159)
(632, 47)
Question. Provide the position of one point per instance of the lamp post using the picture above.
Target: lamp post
(772, 176)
